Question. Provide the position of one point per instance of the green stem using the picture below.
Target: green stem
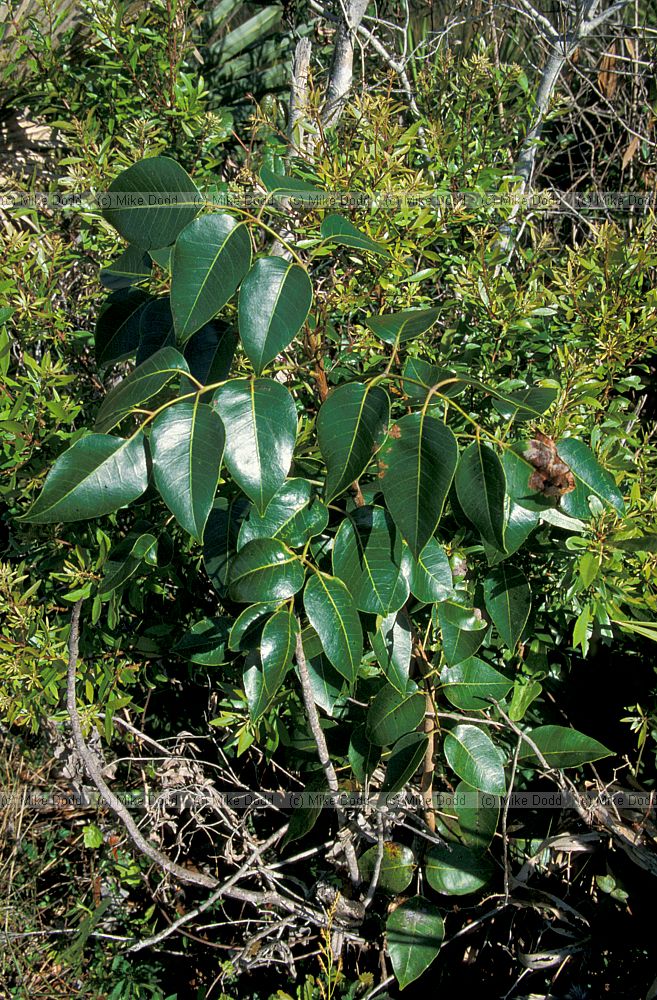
(272, 232)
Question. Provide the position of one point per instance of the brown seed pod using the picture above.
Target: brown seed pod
(551, 475)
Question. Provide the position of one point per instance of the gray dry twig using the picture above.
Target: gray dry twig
(325, 759)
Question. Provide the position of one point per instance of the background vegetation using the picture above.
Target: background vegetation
(442, 101)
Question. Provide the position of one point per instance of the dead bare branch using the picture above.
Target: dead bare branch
(341, 73)
(93, 770)
(325, 759)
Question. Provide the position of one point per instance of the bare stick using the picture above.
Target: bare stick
(118, 720)
(505, 817)
(398, 66)
(540, 22)
(430, 726)
(259, 899)
(325, 759)
(426, 784)
(624, 835)
(299, 94)
(172, 928)
(341, 74)
(563, 47)
(93, 770)
(377, 864)
(298, 110)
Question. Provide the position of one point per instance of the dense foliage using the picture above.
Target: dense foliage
(353, 478)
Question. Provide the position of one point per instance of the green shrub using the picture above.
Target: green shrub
(406, 532)
(519, 586)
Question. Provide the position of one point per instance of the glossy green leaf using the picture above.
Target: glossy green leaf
(247, 628)
(277, 646)
(320, 549)
(261, 682)
(332, 613)
(392, 714)
(397, 866)
(274, 301)
(284, 184)
(457, 643)
(457, 610)
(338, 230)
(119, 571)
(139, 386)
(209, 353)
(328, 686)
(118, 325)
(404, 760)
(414, 934)
(367, 557)
(520, 522)
(397, 328)
(163, 553)
(582, 629)
(350, 426)
(417, 466)
(431, 575)
(312, 644)
(155, 328)
(419, 376)
(392, 644)
(508, 601)
(162, 257)
(363, 755)
(260, 420)
(5, 351)
(143, 209)
(460, 644)
(220, 539)
(293, 516)
(647, 629)
(588, 568)
(303, 818)
(206, 642)
(97, 475)
(264, 570)
(590, 480)
(456, 870)
(531, 401)
(556, 517)
(525, 691)
(525, 403)
(477, 816)
(480, 487)
(561, 747)
(187, 445)
(133, 266)
(472, 683)
(472, 755)
(210, 258)
(642, 543)
(306, 524)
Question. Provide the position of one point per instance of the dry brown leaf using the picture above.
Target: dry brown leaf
(628, 155)
(607, 79)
